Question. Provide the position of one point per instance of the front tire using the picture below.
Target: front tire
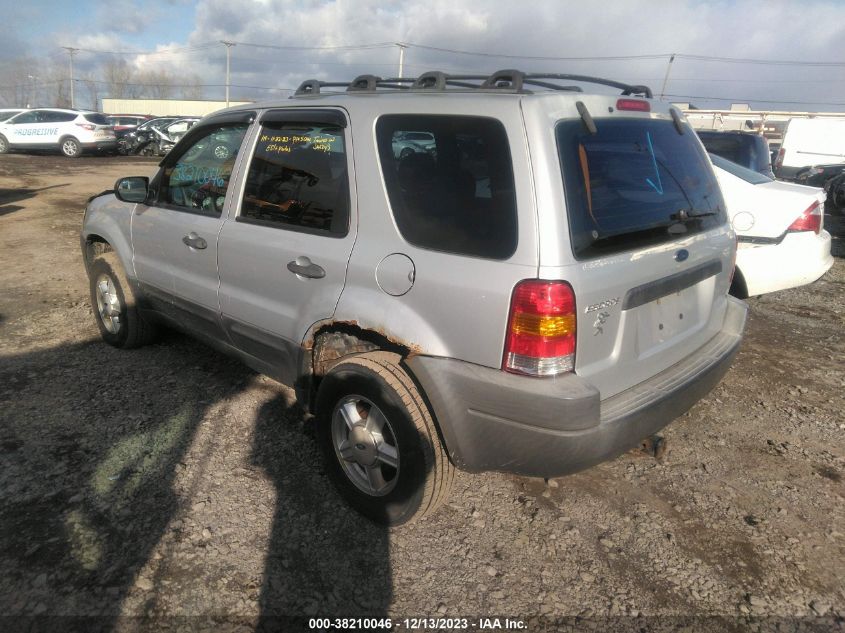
(71, 148)
(4, 145)
(382, 449)
(115, 306)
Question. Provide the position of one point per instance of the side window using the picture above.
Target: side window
(198, 178)
(26, 117)
(450, 183)
(58, 117)
(298, 179)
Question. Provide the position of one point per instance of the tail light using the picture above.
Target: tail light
(541, 329)
(634, 105)
(87, 126)
(810, 220)
(779, 159)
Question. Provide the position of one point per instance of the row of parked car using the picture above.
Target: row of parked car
(73, 132)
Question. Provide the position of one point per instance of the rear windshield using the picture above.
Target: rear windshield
(748, 150)
(635, 183)
(97, 119)
(748, 175)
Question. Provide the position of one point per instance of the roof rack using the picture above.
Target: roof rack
(510, 81)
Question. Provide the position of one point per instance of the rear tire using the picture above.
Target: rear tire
(71, 147)
(4, 145)
(115, 306)
(394, 468)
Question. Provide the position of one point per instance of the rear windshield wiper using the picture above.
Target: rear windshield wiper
(684, 215)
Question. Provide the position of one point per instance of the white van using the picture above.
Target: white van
(810, 142)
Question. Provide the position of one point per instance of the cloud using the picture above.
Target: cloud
(502, 27)
(126, 16)
(741, 29)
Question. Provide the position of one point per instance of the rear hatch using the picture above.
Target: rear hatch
(649, 245)
(98, 125)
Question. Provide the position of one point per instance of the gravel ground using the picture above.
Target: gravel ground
(172, 481)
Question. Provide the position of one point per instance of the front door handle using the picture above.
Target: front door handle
(303, 267)
(194, 241)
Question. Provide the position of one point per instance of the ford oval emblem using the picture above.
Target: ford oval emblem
(681, 255)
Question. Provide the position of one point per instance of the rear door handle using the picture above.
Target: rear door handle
(303, 267)
(194, 241)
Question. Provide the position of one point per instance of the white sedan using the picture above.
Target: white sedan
(779, 226)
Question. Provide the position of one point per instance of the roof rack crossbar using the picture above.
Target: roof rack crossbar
(546, 84)
(626, 88)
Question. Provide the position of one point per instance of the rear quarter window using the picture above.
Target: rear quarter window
(450, 183)
(634, 184)
(96, 119)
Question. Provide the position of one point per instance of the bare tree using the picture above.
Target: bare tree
(156, 84)
(192, 89)
(19, 82)
(117, 75)
(92, 87)
(57, 84)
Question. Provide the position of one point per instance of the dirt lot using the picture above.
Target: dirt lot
(172, 481)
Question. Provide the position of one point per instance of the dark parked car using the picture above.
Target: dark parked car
(835, 188)
(831, 177)
(743, 148)
(818, 175)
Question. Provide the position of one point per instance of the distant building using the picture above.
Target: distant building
(165, 107)
(769, 123)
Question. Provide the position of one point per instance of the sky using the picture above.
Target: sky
(339, 39)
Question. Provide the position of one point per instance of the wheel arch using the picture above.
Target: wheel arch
(739, 287)
(328, 342)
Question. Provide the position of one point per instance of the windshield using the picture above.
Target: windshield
(635, 183)
(748, 175)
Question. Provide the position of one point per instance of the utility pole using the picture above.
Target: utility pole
(666, 78)
(71, 51)
(228, 46)
(402, 48)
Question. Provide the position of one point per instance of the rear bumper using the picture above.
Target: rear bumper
(492, 420)
(799, 259)
(101, 145)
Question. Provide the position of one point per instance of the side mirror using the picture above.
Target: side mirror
(132, 189)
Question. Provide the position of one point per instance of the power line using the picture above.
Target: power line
(632, 57)
(455, 51)
(534, 57)
(755, 100)
(168, 51)
(767, 62)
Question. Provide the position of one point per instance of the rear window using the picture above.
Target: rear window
(633, 184)
(748, 175)
(96, 119)
(748, 150)
(450, 183)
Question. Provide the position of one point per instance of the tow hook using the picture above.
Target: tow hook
(655, 446)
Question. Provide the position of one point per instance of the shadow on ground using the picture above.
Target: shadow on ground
(8, 196)
(324, 559)
(90, 442)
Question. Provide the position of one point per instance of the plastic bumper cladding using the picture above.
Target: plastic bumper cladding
(492, 420)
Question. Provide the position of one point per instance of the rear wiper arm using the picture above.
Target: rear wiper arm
(683, 215)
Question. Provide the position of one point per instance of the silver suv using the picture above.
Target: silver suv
(535, 291)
